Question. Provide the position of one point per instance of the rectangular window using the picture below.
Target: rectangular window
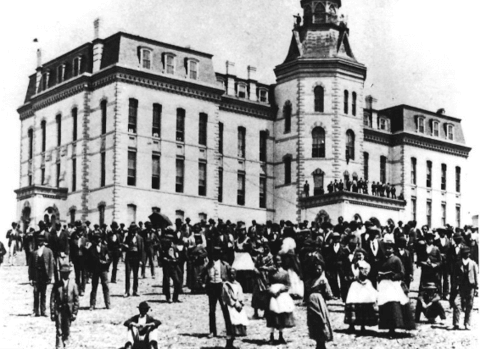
(155, 171)
(220, 137)
(263, 146)
(435, 129)
(30, 180)
(42, 173)
(429, 213)
(450, 132)
(101, 215)
(74, 174)
(156, 120)
(458, 175)
(421, 125)
(59, 129)
(202, 129)
(44, 135)
(383, 169)
(30, 144)
(365, 165)
(75, 124)
(72, 216)
(180, 125)
(193, 70)
(132, 115)
(170, 64)
(241, 188)
(220, 185)
(444, 214)
(146, 59)
(414, 208)
(413, 171)
(429, 174)
(263, 192)
(102, 169)
(58, 174)
(202, 179)
(383, 124)
(241, 142)
(288, 170)
(263, 96)
(242, 91)
(131, 213)
(444, 177)
(458, 216)
(179, 177)
(103, 108)
(132, 168)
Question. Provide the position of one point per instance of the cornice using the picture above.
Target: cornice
(46, 192)
(238, 106)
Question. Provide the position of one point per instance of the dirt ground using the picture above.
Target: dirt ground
(185, 325)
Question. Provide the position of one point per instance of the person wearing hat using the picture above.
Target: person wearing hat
(100, 263)
(215, 274)
(152, 242)
(394, 304)
(134, 248)
(429, 259)
(114, 245)
(142, 329)
(407, 260)
(375, 249)
(334, 257)
(171, 264)
(64, 302)
(428, 303)
(464, 285)
(443, 244)
(78, 256)
(40, 273)
(13, 237)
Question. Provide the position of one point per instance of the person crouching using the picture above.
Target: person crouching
(142, 328)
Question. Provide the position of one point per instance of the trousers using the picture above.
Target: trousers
(172, 272)
(80, 273)
(214, 292)
(463, 301)
(62, 324)
(39, 297)
(132, 265)
(101, 276)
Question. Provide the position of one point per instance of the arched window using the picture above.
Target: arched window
(287, 115)
(319, 14)
(345, 102)
(350, 153)
(319, 98)
(354, 103)
(318, 142)
(318, 178)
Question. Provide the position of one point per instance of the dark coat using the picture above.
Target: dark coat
(141, 246)
(49, 265)
(461, 279)
(99, 262)
(150, 320)
(59, 298)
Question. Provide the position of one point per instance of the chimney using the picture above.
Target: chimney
(97, 47)
(39, 58)
(39, 70)
(252, 80)
(369, 102)
(230, 69)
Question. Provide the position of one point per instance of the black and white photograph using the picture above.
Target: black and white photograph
(239, 174)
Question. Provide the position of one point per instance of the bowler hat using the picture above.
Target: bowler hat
(41, 238)
(65, 269)
(402, 242)
(143, 305)
(429, 286)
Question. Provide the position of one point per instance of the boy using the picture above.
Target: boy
(142, 328)
(429, 304)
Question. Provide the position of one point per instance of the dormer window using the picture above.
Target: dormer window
(192, 67)
(383, 124)
(241, 90)
(45, 80)
(450, 132)
(61, 73)
(146, 58)
(435, 128)
(223, 83)
(170, 63)
(77, 64)
(263, 95)
(420, 124)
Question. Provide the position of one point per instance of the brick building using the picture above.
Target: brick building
(123, 126)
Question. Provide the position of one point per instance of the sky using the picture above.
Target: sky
(421, 53)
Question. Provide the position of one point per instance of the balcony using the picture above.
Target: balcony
(341, 197)
(46, 192)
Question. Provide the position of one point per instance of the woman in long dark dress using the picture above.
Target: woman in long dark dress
(263, 266)
(395, 311)
(279, 314)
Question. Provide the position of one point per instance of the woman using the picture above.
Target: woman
(243, 262)
(292, 264)
(197, 259)
(263, 265)
(360, 305)
(279, 314)
(318, 318)
(394, 305)
(235, 317)
(388, 235)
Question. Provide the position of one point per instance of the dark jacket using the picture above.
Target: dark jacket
(49, 265)
(470, 279)
(60, 299)
(141, 246)
(99, 262)
(150, 320)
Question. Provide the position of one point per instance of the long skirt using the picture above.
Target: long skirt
(361, 314)
(280, 311)
(394, 315)
(279, 321)
(260, 297)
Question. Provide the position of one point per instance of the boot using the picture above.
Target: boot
(153, 345)
(281, 340)
(272, 340)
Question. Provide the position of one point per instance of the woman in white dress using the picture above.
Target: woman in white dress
(243, 262)
(236, 319)
(292, 264)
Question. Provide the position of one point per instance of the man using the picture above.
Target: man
(330, 187)
(171, 267)
(215, 274)
(142, 329)
(28, 244)
(100, 262)
(388, 189)
(375, 253)
(40, 273)
(430, 260)
(464, 286)
(12, 238)
(444, 245)
(306, 189)
(3, 252)
(78, 255)
(114, 244)
(64, 303)
(134, 257)
(334, 256)
(407, 260)
(151, 243)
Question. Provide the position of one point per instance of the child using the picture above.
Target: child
(236, 317)
(429, 304)
(142, 328)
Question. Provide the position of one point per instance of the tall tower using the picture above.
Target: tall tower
(319, 92)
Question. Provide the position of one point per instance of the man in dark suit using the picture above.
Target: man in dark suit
(134, 258)
(78, 256)
(375, 253)
(40, 273)
(407, 260)
(334, 256)
(151, 243)
(114, 244)
(464, 286)
(430, 259)
(171, 267)
(64, 303)
(215, 274)
(443, 243)
(100, 262)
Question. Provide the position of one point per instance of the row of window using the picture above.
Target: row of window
(429, 175)
(318, 143)
(242, 90)
(428, 212)
(62, 73)
(434, 127)
(169, 62)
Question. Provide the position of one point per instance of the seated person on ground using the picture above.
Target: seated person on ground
(428, 303)
(142, 330)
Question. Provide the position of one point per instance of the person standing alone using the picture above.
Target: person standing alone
(40, 273)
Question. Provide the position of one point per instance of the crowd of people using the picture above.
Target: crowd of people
(366, 265)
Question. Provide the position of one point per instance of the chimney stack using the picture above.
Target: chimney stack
(97, 47)
(230, 69)
(96, 27)
(39, 58)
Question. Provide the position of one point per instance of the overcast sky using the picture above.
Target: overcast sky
(422, 53)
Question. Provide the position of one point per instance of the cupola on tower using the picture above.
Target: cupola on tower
(319, 94)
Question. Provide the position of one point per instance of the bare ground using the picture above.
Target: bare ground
(185, 325)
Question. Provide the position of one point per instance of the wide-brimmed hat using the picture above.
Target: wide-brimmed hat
(429, 286)
(389, 243)
(402, 242)
(65, 269)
